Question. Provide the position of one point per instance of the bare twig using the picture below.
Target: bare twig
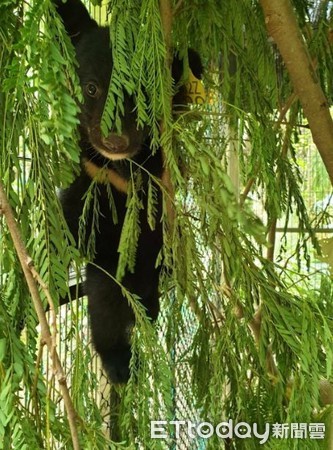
(177, 7)
(284, 153)
(285, 108)
(35, 380)
(246, 190)
(271, 240)
(166, 18)
(46, 336)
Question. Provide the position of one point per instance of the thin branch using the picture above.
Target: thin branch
(285, 108)
(46, 336)
(166, 18)
(282, 26)
(49, 298)
(271, 240)
(177, 7)
(35, 380)
(246, 190)
(280, 121)
(284, 153)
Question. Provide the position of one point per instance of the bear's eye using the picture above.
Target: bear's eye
(91, 89)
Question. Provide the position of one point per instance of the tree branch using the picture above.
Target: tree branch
(283, 28)
(166, 19)
(177, 7)
(27, 267)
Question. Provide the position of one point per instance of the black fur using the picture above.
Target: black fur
(111, 317)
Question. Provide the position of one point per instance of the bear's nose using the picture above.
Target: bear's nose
(116, 143)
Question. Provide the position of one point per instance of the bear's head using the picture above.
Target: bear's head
(94, 57)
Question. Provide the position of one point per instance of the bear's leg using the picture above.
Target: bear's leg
(111, 321)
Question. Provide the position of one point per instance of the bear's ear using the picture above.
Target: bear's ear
(194, 63)
(181, 79)
(75, 17)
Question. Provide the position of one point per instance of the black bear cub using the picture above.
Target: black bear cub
(108, 158)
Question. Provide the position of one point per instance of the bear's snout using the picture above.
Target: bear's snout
(116, 143)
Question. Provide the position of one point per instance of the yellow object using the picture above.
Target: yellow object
(195, 90)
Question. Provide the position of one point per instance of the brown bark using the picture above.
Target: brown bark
(166, 19)
(283, 28)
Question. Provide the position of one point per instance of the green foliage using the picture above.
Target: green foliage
(123, 29)
(131, 230)
(139, 65)
(204, 360)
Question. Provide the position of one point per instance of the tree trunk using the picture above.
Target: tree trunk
(283, 28)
